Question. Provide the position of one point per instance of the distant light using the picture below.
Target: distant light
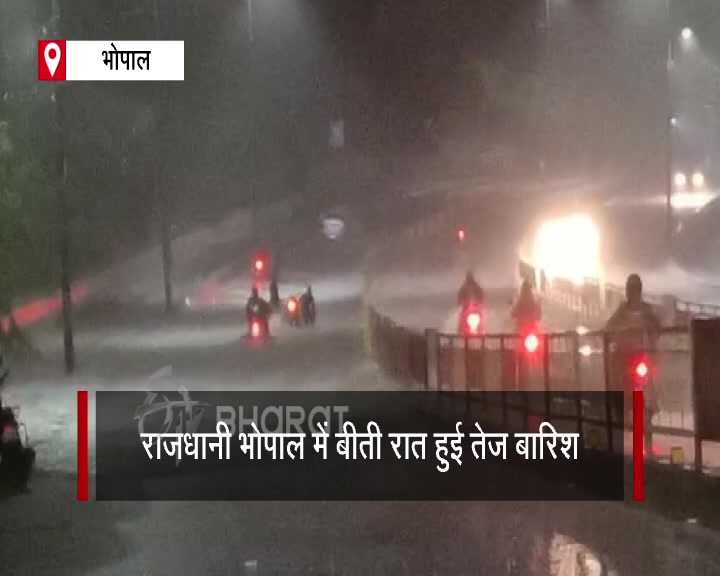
(686, 33)
(698, 180)
(582, 330)
(568, 248)
(585, 350)
(680, 180)
(461, 234)
(674, 121)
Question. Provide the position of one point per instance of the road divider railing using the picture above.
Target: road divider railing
(561, 362)
(593, 301)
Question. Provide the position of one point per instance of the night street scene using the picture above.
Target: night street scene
(435, 199)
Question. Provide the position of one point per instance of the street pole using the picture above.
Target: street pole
(161, 198)
(63, 236)
(254, 129)
(668, 127)
(250, 21)
(547, 27)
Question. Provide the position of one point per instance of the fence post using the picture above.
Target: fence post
(503, 394)
(575, 343)
(608, 393)
(575, 339)
(466, 358)
(546, 373)
(432, 376)
(467, 376)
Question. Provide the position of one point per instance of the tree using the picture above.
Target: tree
(26, 203)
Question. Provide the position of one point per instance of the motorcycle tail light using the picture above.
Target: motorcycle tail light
(259, 265)
(292, 305)
(473, 321)
(531, 343)
(641, 371)
(255, 329)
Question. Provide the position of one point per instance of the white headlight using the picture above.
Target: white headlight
(680, 180)
(698, 180)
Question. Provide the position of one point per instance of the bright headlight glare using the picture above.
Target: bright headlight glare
(568, 248)
(680, 179)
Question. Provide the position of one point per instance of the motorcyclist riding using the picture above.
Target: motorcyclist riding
(258, 309)
(635, 328)
(526, 311)
(470, 292)
(307, 306)
(471, 299)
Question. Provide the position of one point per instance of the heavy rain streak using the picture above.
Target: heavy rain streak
(360, 196)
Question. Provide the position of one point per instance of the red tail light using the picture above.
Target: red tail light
(531, 343)
(473, 321)
(292, 305)
(259, 265)
(255, 329)
(461, 234)
(641, 371)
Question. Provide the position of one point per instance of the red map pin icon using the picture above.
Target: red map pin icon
(52, 57)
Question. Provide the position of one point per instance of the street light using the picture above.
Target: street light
(686, 34)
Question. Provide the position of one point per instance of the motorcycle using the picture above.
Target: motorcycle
(471, 320)
(296, 316)
(17, 458)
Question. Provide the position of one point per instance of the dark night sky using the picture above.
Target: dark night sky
(382, 65)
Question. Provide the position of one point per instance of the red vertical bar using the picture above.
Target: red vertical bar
(82, 434)
(638, 446)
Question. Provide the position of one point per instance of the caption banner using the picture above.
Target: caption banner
(356, 446)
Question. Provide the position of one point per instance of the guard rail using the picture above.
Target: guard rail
(566, 361)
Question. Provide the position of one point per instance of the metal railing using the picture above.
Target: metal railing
(590, 298)
(564, 362)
